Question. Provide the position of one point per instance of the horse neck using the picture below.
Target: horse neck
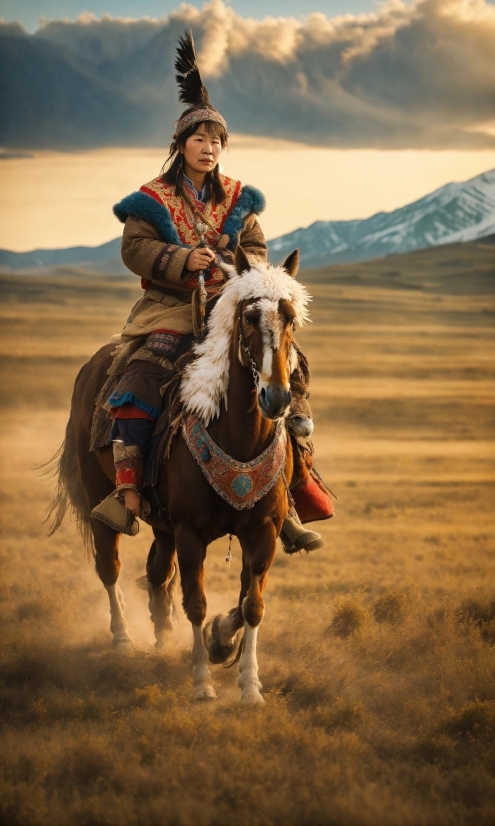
(241, 430)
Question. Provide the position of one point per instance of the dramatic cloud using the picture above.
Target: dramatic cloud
(411, 74)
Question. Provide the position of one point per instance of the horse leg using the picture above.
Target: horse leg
(161, 573)
(107, 564)
(191, 552)
(257, 558)
(222, 634)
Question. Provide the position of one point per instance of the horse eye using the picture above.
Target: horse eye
(251, 319)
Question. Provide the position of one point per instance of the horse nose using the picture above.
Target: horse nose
(274, 401)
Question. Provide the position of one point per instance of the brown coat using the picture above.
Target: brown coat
(145, 254)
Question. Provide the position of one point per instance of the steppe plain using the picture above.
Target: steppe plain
(376, 653)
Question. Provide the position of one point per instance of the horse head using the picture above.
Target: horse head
(253, 322)
(266, 326)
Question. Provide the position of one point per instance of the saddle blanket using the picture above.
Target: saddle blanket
(241, 484)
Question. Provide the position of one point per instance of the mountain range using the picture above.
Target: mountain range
(454, 213)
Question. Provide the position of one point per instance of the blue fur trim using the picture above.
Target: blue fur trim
(141, 205)
(119, 399)
(250, 200)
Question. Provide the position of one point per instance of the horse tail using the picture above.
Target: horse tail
(63, 468)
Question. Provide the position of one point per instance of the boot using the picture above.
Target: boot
(113, 513)
(296, 538)
(301, 426)
(129, 466)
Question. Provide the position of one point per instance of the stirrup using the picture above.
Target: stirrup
(297, 538)
(116, 516)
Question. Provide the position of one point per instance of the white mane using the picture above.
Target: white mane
(205, 380)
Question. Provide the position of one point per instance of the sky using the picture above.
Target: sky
(29, 12)
(334, 117)
(71, 194)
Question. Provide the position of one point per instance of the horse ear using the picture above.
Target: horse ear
(291, 264)
(241, 262)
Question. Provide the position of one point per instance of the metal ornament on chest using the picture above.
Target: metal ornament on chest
(241, 484)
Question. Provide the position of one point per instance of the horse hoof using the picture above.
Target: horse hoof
(253, 698)
(205, 692)
(122, 643)
(161, 646)
(219, 652)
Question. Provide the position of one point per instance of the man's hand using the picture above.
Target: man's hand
(199, 259)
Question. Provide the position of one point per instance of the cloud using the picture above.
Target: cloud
(415, 74)
(407, 75)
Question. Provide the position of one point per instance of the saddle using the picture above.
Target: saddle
(170, 417)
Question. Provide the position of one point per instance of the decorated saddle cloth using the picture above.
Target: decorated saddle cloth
(146, 374)
(241, 484)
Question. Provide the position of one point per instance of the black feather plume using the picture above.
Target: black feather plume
(191, 89)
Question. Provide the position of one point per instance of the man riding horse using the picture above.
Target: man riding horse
(179, 229)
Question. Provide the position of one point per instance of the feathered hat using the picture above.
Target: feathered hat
(192, 91)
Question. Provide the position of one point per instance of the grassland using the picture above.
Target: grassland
(376, 653)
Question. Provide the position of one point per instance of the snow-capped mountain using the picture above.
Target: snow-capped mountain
(455, 212)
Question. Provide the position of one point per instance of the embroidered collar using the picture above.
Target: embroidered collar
(198, 194)
(155, 203)
(241, 484)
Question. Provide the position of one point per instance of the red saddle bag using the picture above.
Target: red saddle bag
(312, 500)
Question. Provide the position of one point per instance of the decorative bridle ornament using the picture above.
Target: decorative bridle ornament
(244, 345)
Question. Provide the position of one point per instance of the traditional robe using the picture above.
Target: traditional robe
(159, 233)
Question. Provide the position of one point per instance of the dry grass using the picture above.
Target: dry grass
(376, 653)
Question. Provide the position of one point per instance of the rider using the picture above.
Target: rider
(186, 221)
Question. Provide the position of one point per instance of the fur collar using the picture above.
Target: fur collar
(205, 380)
(141, 205)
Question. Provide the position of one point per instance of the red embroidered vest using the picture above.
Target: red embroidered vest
(183, 217)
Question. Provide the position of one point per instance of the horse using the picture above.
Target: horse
(237, 388)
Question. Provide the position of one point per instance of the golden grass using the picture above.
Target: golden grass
(376, 653)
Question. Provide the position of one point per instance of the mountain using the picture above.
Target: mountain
(105, 258)
(465, 268)
(455, 212)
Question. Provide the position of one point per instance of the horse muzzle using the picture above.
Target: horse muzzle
(274, 401)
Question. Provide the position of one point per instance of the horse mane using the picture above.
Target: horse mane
(205, 380)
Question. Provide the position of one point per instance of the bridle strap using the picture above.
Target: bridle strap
(243, 343)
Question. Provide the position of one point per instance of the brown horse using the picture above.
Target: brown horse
(239, 387)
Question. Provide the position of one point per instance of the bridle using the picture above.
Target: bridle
(243, 343)
(245, 346)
